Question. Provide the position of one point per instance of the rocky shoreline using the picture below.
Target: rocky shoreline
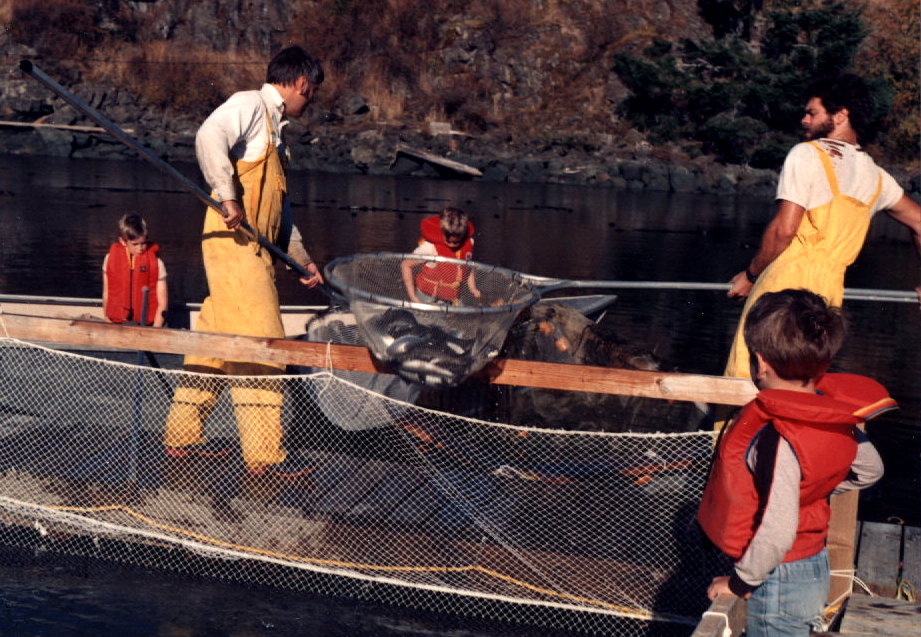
(347, 141)
(601, 162)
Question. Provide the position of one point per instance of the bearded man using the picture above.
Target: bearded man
(828, 191)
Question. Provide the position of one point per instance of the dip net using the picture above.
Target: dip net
(397, 503)
(454, 323)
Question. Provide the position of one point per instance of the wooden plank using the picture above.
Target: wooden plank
(868, 616)
(230, 347)
(667, 386)
(878, 561)
(841, 545)
(724, 608)
(911, 560)
(624, 382)
(293, 317)
(71, 127)
(444, 162)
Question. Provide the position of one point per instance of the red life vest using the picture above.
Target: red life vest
(443, 281)
(820, 429)
(126, 279)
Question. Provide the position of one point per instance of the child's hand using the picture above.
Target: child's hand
(719, 586)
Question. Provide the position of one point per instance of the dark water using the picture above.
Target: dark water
(57, 218)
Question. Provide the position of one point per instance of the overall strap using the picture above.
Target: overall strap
(829, 169)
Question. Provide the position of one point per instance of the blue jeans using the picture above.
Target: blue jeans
(790, 601)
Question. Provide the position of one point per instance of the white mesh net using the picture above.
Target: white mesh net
(584, 531)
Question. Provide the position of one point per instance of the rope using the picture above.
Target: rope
(357, 565)
(727, 631)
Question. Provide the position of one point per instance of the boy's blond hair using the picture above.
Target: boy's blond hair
(454, 221)
(132, 227)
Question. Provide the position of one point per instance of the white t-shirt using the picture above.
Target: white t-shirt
(803, 180)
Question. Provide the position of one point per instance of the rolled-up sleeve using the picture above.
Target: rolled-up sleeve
(223, 136)
(866, 469)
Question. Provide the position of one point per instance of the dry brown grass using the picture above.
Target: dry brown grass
(386, 98)
(186, 78)
(6, 13)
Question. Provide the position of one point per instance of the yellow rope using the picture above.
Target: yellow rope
(357, 565)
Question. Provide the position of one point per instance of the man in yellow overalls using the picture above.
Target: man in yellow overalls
(241, 154)
(828, 190)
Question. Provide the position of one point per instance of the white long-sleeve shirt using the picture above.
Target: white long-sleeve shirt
(235, 130)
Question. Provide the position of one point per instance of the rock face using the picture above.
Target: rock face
(546, 63)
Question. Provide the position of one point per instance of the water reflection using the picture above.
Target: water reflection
(58, 218)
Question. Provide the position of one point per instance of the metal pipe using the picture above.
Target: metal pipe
(31, 70)
(851, 294)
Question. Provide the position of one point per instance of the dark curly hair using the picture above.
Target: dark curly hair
(849, 91)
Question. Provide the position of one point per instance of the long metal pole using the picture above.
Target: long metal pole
(31, 70)
(851, 294)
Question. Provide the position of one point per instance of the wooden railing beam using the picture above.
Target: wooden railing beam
(584, 378)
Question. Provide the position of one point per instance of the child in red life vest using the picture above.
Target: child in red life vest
(449, 234)
(766, 501)
(131, 265)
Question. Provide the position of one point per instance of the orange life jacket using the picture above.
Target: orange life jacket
(820, 429)
(443, 281)
(126, 278)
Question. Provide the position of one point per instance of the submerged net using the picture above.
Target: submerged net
(456, 323)
(582, 531)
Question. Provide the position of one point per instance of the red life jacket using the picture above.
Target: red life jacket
(443, 281)
(126, 279)
(820, 429)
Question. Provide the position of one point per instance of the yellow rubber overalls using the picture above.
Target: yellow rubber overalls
(242, 300)
(828, 240)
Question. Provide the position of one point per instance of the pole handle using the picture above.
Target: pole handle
(27, 67)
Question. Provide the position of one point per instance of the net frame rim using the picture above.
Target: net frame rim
(352, 294)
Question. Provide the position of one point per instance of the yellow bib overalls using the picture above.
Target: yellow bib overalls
(828, 240)
(242, 300)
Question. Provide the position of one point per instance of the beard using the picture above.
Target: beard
(821, 129)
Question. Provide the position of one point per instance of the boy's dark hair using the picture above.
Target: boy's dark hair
(849, 91)
(454, 221)
(132, 227)
(796, 332)
(292, 63)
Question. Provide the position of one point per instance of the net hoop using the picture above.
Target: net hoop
(352, 292)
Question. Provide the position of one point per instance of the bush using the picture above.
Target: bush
(740, 97)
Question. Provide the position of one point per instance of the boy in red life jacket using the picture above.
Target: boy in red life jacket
(766, 501)
(449, 234)
(131, 265)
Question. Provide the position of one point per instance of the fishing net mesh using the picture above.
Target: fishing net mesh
(377, 498)
(433, 320)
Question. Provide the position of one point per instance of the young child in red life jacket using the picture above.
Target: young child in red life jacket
(131, 265)
(449, 234)
(766, 501)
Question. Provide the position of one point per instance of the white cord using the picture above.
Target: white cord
(727, 631)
